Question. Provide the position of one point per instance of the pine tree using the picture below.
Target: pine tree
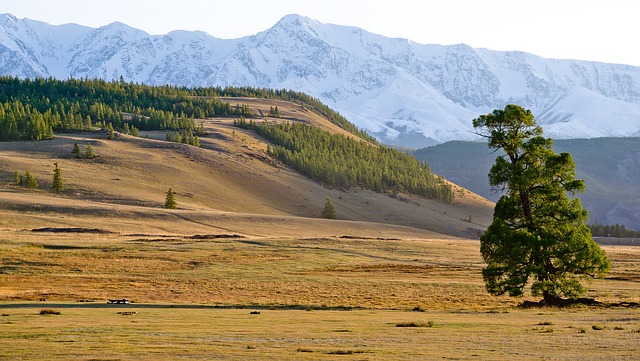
(170, 200)
(274, 112)
(30, 181)
(539, 236)
(17, 178)
(329, 211)
(76, 150)
(57, 185)
(89, 151)
(87, 123)
(111, 134)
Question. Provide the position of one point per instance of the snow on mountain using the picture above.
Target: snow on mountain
(402, 92)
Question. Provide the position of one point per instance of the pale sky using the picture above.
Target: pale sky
(596, 30)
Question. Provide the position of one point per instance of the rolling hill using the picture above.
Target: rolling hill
(229, 184)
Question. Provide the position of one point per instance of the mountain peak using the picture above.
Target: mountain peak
(294, 19)
(7, 17)
(8, 20)
(122, 28)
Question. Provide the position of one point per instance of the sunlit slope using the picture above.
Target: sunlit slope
(230, 174)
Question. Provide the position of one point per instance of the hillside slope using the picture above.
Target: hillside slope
(228, 184)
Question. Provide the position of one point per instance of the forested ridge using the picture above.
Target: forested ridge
(344, 162)
(616, 230)
(34, 109)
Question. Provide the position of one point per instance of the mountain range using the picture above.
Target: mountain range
(402, 92)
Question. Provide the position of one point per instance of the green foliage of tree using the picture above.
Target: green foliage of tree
(57, 185)
(87, 124)
(539, 235)
(17, 178)
(29, 180)
(76, 150)
(20, 121)
(329, 211)
(89, 151)
(111, 133)
(184, 137)
(170, 200)
(344, 162)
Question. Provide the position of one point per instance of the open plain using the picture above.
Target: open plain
(245, 268)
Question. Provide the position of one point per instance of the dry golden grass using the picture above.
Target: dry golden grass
(169, 333)
(321, 273)
(230, 173)
(317, 298)
(246, 237)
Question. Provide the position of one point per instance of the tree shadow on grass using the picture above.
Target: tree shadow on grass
(564, 303)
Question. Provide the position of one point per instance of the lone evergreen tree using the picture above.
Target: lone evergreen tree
(76, 150)
(57, 185)
(170, 200)
(17, 178)
(89, 151)
(538, 236)
(329, 211)
(110, 131)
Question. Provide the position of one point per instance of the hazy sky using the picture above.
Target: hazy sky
(598, 30)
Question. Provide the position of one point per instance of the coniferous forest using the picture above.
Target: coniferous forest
(35, 109)
(616, 230)
(343, 162)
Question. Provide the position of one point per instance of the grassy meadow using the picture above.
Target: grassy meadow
(170, 333)
(245, 269)
(237, 298)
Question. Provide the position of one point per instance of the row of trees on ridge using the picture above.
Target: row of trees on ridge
(34, 109)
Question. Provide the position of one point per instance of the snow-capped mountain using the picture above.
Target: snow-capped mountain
(400, 91)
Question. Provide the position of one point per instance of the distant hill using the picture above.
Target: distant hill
(230, 178)
(609, 166)
(402, 92)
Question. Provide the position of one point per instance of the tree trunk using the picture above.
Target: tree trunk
(550, 299)
(526, 209)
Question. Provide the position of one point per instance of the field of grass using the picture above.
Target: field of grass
(237, 298)
(170, 333)
(244, 268)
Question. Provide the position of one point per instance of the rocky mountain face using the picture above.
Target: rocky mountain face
(402, 92)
